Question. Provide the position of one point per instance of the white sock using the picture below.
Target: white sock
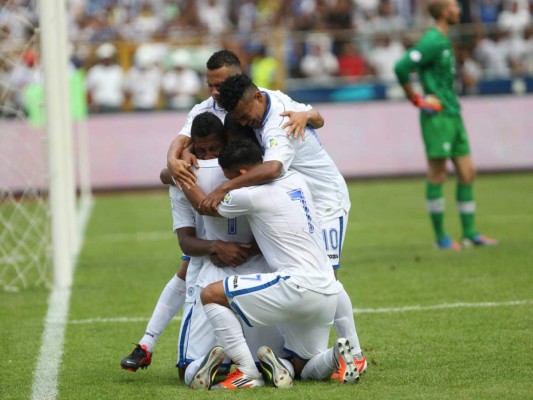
(191, 370)
(321, 366)
(288, 365)
(228, 332)
(169, 303)
(344, 321)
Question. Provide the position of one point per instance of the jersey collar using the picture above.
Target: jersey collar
(265, 116)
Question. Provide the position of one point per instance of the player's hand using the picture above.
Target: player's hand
(182, 174)
(429, 104)
(296, 123)
(231, 254)
(188, 156)
(210, 203)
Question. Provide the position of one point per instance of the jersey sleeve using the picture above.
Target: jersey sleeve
(186, 129)
(235, 204)
(182, 212)
(278, 147)
(423, 53)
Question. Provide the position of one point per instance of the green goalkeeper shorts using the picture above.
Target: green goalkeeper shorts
(444, 135)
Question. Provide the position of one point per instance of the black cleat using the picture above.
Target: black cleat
(139, 358)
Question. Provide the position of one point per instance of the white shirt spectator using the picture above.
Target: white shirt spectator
(494, 56)
(515, 19)
(181, 84)
(382, 57)
(143, 83)
(214, 15)
(320, 62)
(105, 80)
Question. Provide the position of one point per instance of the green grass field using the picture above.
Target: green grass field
(470, 338)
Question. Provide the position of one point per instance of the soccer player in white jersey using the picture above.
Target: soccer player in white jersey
(300, 294)
(199, 237)
(260, 110)
(221, 65)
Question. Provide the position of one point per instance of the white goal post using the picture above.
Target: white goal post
(41, 218)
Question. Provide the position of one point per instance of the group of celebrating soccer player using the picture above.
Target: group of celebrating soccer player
(261, 210)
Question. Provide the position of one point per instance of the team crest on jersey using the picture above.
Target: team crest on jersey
(226, 199)
(272, 143)
(415, 56)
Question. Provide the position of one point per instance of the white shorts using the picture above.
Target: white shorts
(196, 336)
(304, 316)
(333, 233)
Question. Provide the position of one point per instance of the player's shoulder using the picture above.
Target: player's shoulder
(433, 37)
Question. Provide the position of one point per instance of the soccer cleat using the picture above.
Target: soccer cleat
(238, 380)
(203, 379)
(139, 358)
(447, 243)
(360, 364)
(345, 364)
(273, 368)
(478, 240)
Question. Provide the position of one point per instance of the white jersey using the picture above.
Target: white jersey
(184, 216)
(309, 158)
(208, 105)
(284, 223)
(235, 229)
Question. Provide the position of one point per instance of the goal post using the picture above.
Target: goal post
(41, 217)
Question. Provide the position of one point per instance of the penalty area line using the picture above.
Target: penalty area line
(388, 310)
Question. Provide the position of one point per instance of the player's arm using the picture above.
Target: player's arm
(298, 120)
(419, 56)
(180, 169)
(257, 175)
(230, 254)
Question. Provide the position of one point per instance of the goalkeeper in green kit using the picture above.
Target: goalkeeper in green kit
(443, 130)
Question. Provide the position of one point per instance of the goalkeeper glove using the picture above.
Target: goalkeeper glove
(429, 104)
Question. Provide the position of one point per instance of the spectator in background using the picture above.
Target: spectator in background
(515, 18)
(487, 11)
(181, 85)
(383, 55)
(352, 64)
(387, 20)
(493, 54)
(105, 81)
(143, 81)
(319, 62)
(527, 60)
(214, 15)
(145, 25)
(24, 73)
(264, 68)
(469, 71)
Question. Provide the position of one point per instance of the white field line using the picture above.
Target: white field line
(391, 310)
(44, 385)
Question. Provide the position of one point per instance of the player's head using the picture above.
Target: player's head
(221, 64)
(207, 134)
(243, 101)
(239, 156)
(235, 131)
(444, 10)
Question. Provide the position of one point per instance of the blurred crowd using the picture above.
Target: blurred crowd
(322, 40)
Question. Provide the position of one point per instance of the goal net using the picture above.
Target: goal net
(27, 252)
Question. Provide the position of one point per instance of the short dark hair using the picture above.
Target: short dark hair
(234, 89)
(239, 153)
(206, 124)
(235, 131)
(223, 58)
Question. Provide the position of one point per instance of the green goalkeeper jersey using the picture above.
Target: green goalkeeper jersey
(433, 59)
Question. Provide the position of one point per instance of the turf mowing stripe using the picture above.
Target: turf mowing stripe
(390, 310)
